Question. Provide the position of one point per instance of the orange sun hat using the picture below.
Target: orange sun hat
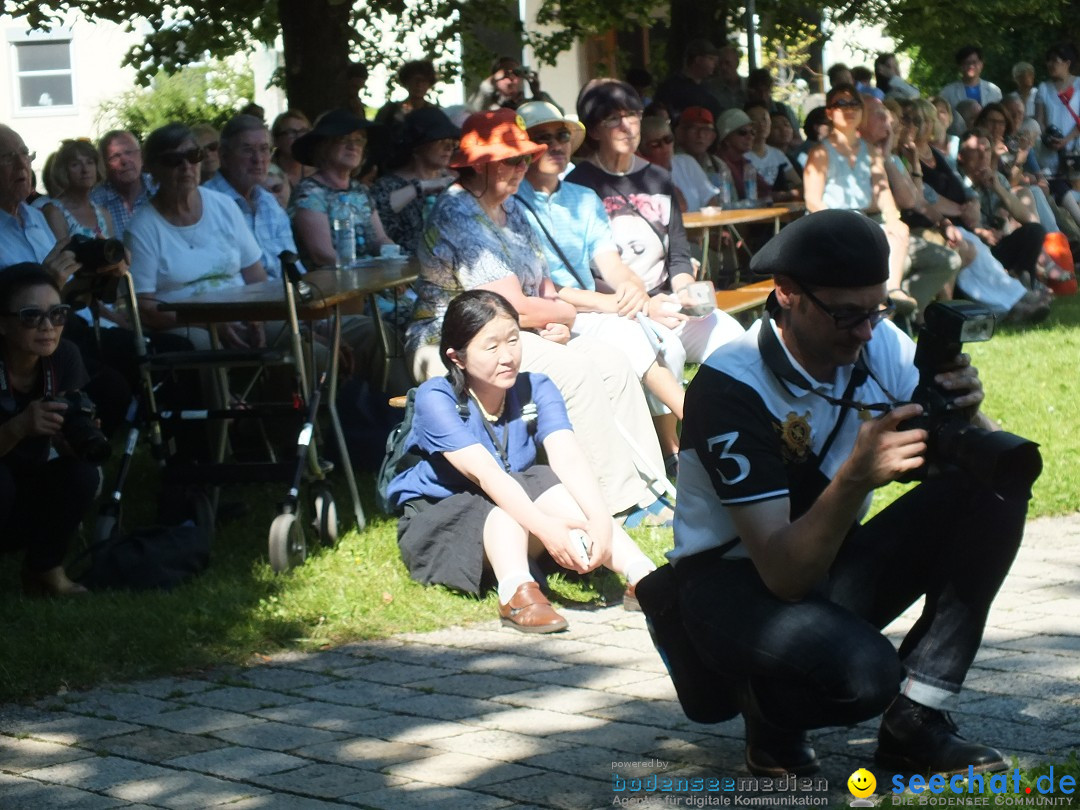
(491, 136)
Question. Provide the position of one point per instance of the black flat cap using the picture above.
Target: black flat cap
(833, 248)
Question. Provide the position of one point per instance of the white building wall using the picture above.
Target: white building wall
(97, 49)
(564, 79)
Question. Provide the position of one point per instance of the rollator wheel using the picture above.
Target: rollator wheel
(326, 517)
(202, 511)
(286, 541)
(107, 521)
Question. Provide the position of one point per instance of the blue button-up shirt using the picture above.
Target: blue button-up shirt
(267, 221)
(574, 215)
(25, 237)
(105, 195)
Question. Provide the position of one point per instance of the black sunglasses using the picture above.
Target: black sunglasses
(548, 138)
(34, 317)
(514, 162)
(850, 320)
(173, 159)
(666, 140)
(847, 103)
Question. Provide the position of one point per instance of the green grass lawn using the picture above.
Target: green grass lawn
(360, 590)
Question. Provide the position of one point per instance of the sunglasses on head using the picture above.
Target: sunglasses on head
(845, 104)
(174, 159)
(34, 317)
(520, 160)
(666, 140)
(548, 138)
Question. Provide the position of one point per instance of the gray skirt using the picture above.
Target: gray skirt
(442, 541)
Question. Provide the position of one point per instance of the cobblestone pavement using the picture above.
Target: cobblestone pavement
(484, 717)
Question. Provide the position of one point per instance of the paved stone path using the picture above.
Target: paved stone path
(484, 717)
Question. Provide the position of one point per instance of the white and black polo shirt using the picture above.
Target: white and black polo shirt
(754, 430)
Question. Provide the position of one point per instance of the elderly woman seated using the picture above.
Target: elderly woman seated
(189, 240)
(417, 176)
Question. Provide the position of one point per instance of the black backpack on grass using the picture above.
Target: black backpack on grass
(400, 457)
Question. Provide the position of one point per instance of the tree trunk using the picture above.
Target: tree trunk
(317, 40)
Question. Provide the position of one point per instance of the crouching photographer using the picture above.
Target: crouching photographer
(49, 440)
(777, 594)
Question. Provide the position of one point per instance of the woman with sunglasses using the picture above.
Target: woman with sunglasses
(843, 171)
(478, 500)
(42, 499)
(189, 240)
(478, 236)
(418, 175)
(645, 219)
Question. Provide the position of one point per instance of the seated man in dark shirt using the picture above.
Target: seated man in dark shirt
(782, 591)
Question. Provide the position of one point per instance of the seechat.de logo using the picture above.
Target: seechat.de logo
(861, 784)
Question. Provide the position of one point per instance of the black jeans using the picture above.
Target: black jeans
(41, 506)
(1020, 250)
(822, 661)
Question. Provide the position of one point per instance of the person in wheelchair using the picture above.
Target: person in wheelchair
(49, 440)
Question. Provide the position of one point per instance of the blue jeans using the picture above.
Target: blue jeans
(822, 661)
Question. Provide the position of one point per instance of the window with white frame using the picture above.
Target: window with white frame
(43, 75)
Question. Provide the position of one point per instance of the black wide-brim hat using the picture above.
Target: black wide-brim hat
(332, 124)
(426, 125)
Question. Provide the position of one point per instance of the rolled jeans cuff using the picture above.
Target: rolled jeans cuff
(934, 696)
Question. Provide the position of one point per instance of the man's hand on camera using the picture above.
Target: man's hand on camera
(962, 377)
(882, 453)
(60, 262)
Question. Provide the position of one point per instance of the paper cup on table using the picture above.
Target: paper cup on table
(391, 252)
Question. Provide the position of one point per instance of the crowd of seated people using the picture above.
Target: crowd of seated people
(574, 218)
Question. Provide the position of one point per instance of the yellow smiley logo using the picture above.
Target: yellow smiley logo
(861, 783)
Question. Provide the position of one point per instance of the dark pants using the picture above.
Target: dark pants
(1020, 250)
(822, 661)
(42, 505)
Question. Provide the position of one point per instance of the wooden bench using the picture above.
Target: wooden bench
(745, 302)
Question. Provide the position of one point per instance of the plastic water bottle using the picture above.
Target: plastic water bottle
(727, 187)
(750, 181)
(343, 233)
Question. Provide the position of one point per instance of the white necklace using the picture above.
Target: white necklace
(491, 417)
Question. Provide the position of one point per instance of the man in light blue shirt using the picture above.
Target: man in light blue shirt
(245, 159)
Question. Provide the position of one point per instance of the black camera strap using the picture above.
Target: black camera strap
(554, 244)
(776, 360)
(7, 393)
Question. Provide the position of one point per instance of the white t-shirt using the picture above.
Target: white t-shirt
(770, 164)
(191, 259)
(1057, 115)
(691, 180)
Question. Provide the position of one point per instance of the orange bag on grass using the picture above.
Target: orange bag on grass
(1056, 246)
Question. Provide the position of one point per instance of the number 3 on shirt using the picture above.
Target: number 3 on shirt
(742, 462)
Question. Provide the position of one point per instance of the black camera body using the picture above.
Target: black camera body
(1006, 463)
(80, 430)
(88, 283)
(1051, 134)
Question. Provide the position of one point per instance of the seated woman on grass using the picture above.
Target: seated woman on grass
(478, 500)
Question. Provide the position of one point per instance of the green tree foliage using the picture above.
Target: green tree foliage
(210, 93)
(1008, 31)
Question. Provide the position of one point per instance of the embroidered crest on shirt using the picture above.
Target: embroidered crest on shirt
(795, 436)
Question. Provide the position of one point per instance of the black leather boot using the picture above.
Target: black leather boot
(770, 749)
(917, 738)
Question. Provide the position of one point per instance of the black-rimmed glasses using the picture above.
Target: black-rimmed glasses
(850, 320)
(34, 317)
